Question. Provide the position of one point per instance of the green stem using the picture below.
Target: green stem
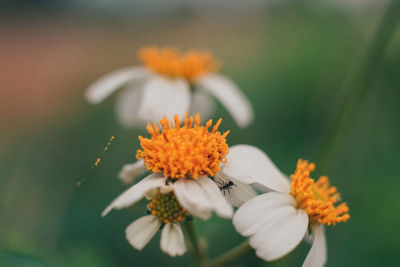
(231, 255)
(359, 81)
(194, 240)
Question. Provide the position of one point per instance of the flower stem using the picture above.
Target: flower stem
(359, 81)
(231, 255)
(197, 252)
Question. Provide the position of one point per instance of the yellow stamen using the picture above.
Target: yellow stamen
(187, 151)
(171, 62)
(166, 207)
(317, 198)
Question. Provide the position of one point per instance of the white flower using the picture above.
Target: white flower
(186, 162)
(196, 197)
(140, 232)
(168, 84)
(278, 220)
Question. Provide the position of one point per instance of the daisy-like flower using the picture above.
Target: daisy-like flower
(166, 213)
(186, 162)
(170, 83)
(278, 220)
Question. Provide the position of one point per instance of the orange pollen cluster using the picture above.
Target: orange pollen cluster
(187, 151)
(172, 63)
(317, 198)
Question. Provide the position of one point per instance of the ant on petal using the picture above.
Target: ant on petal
(226, 186)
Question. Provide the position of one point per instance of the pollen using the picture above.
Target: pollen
(167, 208)
(171, 62)
(187, 151)
(317, 198)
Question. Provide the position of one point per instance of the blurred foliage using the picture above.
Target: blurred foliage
(292, 80)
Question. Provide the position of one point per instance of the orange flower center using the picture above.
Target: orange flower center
(172, 63)
(187, 151)
(317, 198)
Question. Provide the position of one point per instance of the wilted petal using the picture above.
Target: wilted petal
(221, 206)
(142, 230)
(136, 192)
(318, 253)
(192, 197)
(172, 241)
(130, 172)
(237, 193)
(163, 96)
(227, 92)
(249, 165)
(109, 83)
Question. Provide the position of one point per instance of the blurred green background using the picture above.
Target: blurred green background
(289, 57)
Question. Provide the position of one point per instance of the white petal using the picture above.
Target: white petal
(318, 253)
(214, 195)
(127, 106)
(249, 164)
(109, 83)
(282, 226)
(135, 192)
(164, 97)
(237, 193)
(255, 212)
(203, 104)
(192, 197)
(142, 230)
(130, 172)
(172, 241)
(226, 91)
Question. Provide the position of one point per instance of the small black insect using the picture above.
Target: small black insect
(226, 186)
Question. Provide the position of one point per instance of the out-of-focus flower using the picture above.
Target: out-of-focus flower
(170, 83)
(277, 221)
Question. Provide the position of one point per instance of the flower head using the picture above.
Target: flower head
(279, 219)
(166, 213)
(190, 150)
(183, 160)
(317, 198)
(172, 63)
(170, 82)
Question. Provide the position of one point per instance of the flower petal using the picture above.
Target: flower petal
(130, 172)
(127, 107)
(164, 97)
(192, 197)
(109, 83)
(172, 241)
(135, 192)
(236, 194)
(249, 164)
(251, 216)
(227, 92)
(278, 230)
(142, 230)
(214, 195)
(203, 104)
(318, 253)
